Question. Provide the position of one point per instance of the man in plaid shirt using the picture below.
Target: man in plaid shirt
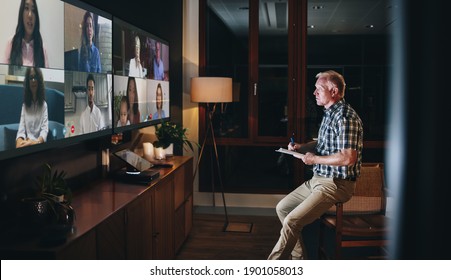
(336, 158)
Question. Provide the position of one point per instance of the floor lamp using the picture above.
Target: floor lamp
(214, 90)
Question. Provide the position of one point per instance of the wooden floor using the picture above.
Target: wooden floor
(208, 241)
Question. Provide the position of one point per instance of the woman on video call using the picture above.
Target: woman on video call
(132, 95)
(34, 121)
(159, 114)
(89, 59)
(26, 47)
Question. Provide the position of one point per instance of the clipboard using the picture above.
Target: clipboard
(288, 152)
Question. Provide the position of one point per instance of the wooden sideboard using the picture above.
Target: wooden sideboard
(117, 220)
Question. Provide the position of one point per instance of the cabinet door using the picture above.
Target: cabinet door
(163, 229)
(188, 215)
(138, 225)
(179, 227)
(183, 222)
(111, 238)
(179, 187)
(179, 207)
(84, 248)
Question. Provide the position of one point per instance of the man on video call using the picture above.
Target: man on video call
(158, 66)
(91, 119)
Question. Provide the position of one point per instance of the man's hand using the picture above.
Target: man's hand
(308, 158)
(293, 147)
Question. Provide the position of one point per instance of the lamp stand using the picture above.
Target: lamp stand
(228, 227)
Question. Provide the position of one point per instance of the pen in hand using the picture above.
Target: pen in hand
(292, 140)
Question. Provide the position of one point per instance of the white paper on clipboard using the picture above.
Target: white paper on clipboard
(285, 151)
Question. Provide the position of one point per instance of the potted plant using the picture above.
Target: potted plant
(171, 133)
(51, 203)
(52, 186)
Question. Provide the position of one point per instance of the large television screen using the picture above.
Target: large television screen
(141, 77)
(56, 79)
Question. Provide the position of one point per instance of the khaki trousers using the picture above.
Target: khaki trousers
(303, 206)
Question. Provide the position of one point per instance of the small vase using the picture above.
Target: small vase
(169, 150)
(159, 153)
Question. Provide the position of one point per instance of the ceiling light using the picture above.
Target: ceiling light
(369, 26)
(317, 7)
(311, 26)
(243, 8)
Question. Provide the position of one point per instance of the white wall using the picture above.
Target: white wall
(190, 114)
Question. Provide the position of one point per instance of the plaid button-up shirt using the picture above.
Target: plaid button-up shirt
(341, 128)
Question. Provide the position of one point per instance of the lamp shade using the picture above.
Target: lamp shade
(211, 89)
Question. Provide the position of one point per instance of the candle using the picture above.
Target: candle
(148, 150)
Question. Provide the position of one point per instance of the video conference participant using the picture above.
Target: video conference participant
(135, 68)
(123, 112)
(134, 115)
(26, 47)
(159, 113)
(34, 122)
(91, 119)
(89, 58)
(158, 66)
